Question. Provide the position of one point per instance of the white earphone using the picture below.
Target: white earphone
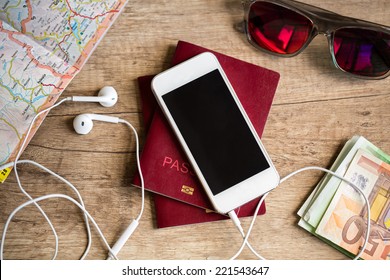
(107, 97)
(82, 124)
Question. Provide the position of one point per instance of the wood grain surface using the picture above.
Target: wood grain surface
(315, 111)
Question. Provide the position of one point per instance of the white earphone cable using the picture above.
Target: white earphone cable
(134, 224)
(17, 175)
(367, 205)
(17, 161)
(119, 244)
(137, 149)
(49, 196)
(233, 216)
(86, 251)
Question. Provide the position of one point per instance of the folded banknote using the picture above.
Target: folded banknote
(336, 212)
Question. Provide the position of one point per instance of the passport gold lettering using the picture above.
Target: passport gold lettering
(182, 167)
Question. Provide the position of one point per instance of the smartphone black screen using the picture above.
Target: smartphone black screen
(215, 131)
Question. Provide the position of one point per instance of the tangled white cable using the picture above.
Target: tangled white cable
(119, 244)
(246, 236)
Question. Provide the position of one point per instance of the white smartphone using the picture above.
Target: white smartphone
(216, 134)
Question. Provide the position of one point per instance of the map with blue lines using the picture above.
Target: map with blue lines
(43, 45)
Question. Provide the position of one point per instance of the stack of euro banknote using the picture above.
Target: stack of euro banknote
(336, 213)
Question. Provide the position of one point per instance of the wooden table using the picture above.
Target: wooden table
(315, 111)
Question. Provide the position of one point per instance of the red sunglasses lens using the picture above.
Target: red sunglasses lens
(362, 52)
(278, 29)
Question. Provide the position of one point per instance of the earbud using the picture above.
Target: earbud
(83, 123)
(107, 97)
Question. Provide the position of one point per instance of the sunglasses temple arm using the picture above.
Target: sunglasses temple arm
(240, 26)
(384, 52)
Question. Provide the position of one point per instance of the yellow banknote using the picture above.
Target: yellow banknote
(344, 222)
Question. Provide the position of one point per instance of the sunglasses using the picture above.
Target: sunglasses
(286, 27)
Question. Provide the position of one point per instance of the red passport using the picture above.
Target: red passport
(164, 165)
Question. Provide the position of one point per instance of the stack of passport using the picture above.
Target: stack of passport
(179, 197)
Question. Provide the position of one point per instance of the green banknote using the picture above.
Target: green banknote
(318, 214)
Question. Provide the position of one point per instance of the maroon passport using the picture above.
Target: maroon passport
(164, 164)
